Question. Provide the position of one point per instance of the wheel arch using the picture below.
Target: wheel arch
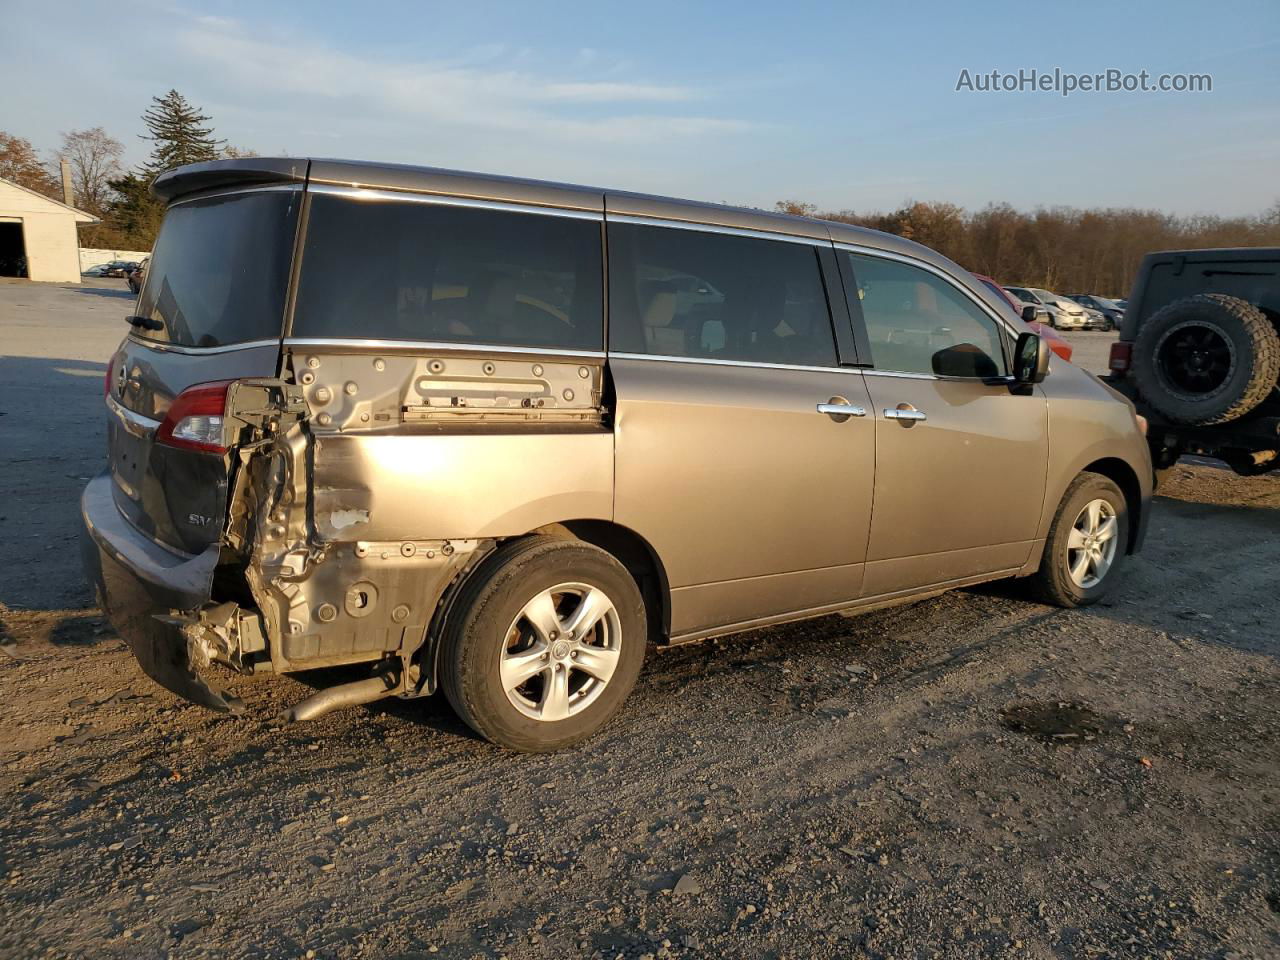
(636, 554)
(1123, 476)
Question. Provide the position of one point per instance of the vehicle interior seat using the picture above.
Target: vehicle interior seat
(660, 336)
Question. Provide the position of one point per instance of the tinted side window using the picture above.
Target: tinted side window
(919, 323)
(687, 293)
(420, 271)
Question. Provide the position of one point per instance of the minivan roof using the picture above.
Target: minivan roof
(250, 171)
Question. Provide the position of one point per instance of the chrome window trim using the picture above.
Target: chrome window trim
(715, 228)
(735, 363)
(918, 376)
(131, 417)
(437, 346)
(444, 200)
(164, 347)
(262, 188)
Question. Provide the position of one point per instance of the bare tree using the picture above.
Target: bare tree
(20, 164)
(231, 151)
(94, 157)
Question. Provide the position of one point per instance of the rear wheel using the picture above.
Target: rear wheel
(544, 644)
(1086, 543)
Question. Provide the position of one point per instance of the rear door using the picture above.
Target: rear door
(723, 358)
(961, 460)
(211, 311)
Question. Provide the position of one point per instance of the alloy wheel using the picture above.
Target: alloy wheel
(1092, 543)
(561, 651)
(1195, 359)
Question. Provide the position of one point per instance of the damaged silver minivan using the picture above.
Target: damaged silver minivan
(496, 436)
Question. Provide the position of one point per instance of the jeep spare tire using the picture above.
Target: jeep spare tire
(1206, 359)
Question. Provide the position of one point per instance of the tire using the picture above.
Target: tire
(1054, 582)
(1206, 359)
(489, 631)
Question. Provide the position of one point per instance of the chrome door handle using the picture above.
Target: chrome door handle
(891, 413)
(841, 410)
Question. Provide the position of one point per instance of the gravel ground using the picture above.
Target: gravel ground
(972, 776)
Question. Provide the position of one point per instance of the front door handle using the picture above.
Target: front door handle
(839, 409)
(904, 413)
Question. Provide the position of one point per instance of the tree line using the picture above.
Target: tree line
(119, 197)
(1063, 249)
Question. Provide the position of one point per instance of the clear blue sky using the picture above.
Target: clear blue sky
(845, 104)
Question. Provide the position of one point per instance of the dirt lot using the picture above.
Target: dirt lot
(972, 776)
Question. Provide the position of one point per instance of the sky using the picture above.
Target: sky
(850, 104)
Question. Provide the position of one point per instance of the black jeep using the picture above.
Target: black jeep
(1199, 354)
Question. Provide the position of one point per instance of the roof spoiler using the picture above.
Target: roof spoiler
(240, 172)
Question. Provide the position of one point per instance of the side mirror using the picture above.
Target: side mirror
(1029, 313)
(1030, 359)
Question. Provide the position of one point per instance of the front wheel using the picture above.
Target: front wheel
(1086, 544)
(544, 644)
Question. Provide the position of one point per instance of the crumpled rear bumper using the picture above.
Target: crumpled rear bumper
(138, 584)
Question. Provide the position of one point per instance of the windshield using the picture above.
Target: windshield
(1022, 294)
(219, 271)
(1046, 296)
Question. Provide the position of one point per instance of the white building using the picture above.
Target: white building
(38, 237)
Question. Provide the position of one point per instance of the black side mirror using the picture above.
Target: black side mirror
(1029, 313)
(1030, 359)
(964, 360)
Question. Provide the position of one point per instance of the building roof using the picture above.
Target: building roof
(81, 216)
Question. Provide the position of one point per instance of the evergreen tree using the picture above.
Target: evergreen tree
(176, 128)
(134, 214)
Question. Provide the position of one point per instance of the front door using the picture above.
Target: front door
(961, 460)
(721, 352)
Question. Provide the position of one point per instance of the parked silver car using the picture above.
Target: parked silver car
(408, 419)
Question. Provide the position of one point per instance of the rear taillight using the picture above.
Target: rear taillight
(1121, 356)
(195, 418)
(106, 381)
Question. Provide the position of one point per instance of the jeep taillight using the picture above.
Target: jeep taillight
(195, 418)
(1121, 357)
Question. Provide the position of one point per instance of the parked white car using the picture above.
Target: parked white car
(1064, 314)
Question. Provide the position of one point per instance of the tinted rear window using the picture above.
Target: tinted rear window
(404, 270)
(220, 269)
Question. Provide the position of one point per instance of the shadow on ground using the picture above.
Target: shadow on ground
(125, 294)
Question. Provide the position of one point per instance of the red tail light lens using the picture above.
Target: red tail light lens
(106, 381)
(1121, 356)
(195, 418)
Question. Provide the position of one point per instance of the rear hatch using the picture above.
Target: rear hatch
(211, 311)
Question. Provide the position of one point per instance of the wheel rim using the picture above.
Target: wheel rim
(560, 652)
(1092, 543)
(1195, 359)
